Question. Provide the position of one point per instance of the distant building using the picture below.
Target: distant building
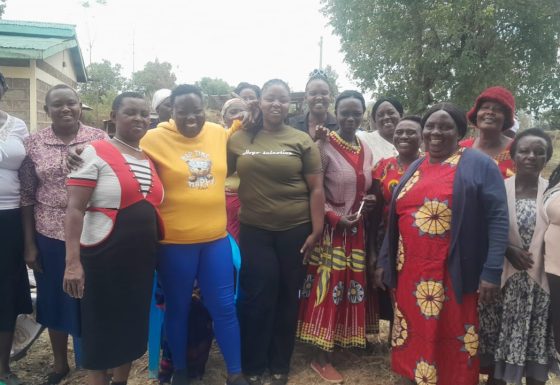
(34, 56)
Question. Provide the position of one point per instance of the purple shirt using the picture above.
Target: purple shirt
(43, 176)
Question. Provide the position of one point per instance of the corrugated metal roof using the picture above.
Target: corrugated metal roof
(20, 27)
(37, 40)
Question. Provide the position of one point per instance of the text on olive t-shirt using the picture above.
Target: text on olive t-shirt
(273, 192)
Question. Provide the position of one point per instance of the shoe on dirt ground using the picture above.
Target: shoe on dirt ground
(254, 380)
(278, 379)
(327, 373)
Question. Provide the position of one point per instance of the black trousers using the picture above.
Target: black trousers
(271, 277)
(554, 284)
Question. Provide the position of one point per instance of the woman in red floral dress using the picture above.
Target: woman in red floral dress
(388, 172)
(433, 251)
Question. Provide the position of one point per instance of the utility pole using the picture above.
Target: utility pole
(321, 53)
(133, 36)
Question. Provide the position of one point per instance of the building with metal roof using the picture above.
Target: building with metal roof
(35, 56)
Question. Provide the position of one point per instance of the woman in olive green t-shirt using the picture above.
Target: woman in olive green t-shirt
(282, 211)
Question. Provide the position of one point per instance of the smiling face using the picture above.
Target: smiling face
(318, 96)
(132, 120)
(407, 137)
(275, 103)
(64, 108)
(349, 114)
(248, 94)
(530, 155)
(233, 110)
(189, 115)
(386, 118)
(491, 116)
(440, 135)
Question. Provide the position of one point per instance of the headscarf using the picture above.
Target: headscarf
(159, 97)
(398, 106)
(229, 103)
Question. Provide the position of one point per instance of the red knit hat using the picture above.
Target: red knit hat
(496, 94)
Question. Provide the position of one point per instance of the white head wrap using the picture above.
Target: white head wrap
(159, 96)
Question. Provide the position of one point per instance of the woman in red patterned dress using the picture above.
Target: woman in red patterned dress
(388, 172)
(333, 307)
(386, 175)
(492, 115)
(446, 239)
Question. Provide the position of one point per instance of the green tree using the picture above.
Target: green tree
(87, 3)
(154, 76)
(2, 7)
(332, 78)
(423, 51)
(104, 83)
(214, 86)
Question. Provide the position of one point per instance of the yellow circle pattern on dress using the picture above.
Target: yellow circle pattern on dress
(430, 296)
(425, 374)
(400, 329)
(470, 340)
(400, 255)
(433, 218)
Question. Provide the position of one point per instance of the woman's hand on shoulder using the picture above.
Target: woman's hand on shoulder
(73, 283)
(249, 118)
(73, 160)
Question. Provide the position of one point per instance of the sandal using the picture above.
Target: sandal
(327, 373)
(54, 378)
(10, 379)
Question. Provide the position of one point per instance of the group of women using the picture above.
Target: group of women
(336, 227)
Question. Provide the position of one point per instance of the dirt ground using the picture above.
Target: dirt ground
(359, 367)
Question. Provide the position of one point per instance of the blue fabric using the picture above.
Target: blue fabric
(55, 309)
(154, 336)
(236, 258)
(211, 264)
(479, 225)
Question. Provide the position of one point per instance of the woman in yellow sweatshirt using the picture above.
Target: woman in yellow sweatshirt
(190, 157)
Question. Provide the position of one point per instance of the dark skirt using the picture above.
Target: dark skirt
(15, 298)
(118, 286)
(56, 310)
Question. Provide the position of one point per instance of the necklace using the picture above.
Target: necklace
(353, 148)
(137, 149)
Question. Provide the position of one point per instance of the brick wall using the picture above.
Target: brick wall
(42, 118)
(16, 101)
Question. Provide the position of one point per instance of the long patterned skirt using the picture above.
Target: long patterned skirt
(333, 306)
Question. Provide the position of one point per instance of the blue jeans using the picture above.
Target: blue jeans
(211, 264)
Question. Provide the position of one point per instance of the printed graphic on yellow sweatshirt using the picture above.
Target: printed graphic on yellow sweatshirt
(200, 170)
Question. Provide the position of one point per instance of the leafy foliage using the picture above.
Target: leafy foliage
(104, 84)
(2, 7)
(154, 76)
(423, 51)
(215, 86)
(332, 77)
(88, 4)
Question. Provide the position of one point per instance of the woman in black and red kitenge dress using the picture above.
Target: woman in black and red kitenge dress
(110, 251)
